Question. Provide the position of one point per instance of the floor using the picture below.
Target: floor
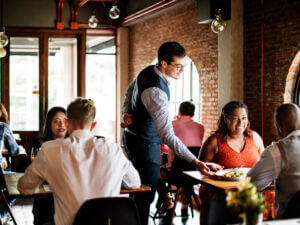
(22, 211)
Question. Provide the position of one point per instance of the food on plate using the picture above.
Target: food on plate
(234, 173)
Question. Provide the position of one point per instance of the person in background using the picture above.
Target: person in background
(281, 160)
(9, 145)
(79, 167)
(233, 145)
(191, 134)
(147, 122)
(7, 141)
(54, 127)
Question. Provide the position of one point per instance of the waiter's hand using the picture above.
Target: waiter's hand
(127, 120)
(204, 167)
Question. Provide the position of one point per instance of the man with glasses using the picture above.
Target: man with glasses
(147, 122)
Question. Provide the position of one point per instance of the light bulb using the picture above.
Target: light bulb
(93, 21)
(2, 52)
(218, 24)
(114, 12)
(3, 40)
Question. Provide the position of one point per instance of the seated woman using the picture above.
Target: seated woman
(8, 144)
(43, 208)
(7, 140)
(233, 145)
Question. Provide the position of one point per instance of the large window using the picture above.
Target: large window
(24, 83)
(186, 88)
(62, 73)
(101, 83)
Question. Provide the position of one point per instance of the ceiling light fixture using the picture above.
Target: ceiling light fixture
(3, 37)
(218, 24)
(114, 12)
(93, 21)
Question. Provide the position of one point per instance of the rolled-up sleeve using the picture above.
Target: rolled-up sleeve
(156, 102)
(10, 141)
(33, 176)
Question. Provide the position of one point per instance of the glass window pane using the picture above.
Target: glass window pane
(24, 83)
(62, 71)
(187, 87)
(101, 84)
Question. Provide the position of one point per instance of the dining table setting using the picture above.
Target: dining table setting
(11, 180)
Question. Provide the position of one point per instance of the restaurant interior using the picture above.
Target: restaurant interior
(60, 49)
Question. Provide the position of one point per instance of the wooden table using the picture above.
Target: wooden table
(44, 190)
(226, 186)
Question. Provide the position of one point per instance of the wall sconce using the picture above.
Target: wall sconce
(3, 37)
(114, 12)
(218, 24)
(93, 21)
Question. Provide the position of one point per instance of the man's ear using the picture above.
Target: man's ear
(66, 122)
(163, 63)
(93, 125)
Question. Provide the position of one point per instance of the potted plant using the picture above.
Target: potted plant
(247, 202)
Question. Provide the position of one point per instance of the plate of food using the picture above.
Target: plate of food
(232, 174)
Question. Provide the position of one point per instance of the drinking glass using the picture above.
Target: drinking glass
(34, 152)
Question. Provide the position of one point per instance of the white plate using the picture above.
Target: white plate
(220, 174)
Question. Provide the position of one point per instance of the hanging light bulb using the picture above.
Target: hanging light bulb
(218, 24)
(3, 39)
(2, 52)
(93, 21)
(114, 12)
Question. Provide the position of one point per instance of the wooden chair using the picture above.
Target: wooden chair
(5, 197)
(107, 211)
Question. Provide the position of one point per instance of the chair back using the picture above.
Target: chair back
(293, 207)
(175, 175)
(107, 211)
(180, 164)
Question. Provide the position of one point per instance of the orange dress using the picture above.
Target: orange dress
(229, 158)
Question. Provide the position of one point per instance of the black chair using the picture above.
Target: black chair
(5, 197)
(293, 207)
(175, 177)
(107, 211)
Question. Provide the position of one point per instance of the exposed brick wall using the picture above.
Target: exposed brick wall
(201, 44)
(282, 42)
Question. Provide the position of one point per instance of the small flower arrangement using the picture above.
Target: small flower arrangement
(246, 200)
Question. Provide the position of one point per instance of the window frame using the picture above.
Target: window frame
(44, 35)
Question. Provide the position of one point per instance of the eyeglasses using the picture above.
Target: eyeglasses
(178, 66)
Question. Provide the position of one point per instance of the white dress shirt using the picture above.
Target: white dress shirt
(79, 168)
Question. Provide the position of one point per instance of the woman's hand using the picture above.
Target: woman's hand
(203, 168)
(214, 166)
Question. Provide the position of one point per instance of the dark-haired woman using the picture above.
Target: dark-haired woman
(43, 208)
(233, 145)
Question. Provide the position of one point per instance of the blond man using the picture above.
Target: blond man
(80, 167)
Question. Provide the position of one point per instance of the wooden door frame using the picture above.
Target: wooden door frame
(43, 35)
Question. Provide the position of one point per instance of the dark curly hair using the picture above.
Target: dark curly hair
(47, 132)
(226, 113)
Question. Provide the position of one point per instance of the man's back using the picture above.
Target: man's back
(79, 168)
(188, 131)
(288, 181)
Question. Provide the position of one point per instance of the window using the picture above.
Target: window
(101, 83)
(24, 83)
(186, 88)
(62, 73)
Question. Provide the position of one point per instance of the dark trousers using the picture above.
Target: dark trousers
(43, 211)
(146, 159)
